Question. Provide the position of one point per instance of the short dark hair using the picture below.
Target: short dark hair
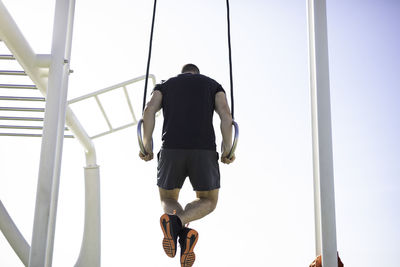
(190, 68)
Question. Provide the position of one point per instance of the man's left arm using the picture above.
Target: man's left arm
(149, 118)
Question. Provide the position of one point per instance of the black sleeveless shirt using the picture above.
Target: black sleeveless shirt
(188, 103)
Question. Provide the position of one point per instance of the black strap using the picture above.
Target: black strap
(149, 57)
(230, 56)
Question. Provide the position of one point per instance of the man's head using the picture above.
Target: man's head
(190, 68)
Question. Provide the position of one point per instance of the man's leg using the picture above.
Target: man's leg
(205, 203)
(169, 201)
(170, 224)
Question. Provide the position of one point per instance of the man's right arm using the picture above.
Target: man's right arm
(149, 117)
(222, 108)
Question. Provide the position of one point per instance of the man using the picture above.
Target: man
(188, 150)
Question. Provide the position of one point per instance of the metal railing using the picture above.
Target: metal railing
(121, 86)
(21, 130)
(7, 57)
(13, 72)
(18, 86)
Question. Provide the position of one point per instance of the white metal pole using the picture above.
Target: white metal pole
(90, 254)
(13, 235)
(312, 66)
(324, 195)
(53, 131)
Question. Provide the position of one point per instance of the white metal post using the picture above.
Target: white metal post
(53, 131)
(90, 254)
(324, 195)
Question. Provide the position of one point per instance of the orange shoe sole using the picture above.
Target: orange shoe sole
(168, 243)
(188, 257)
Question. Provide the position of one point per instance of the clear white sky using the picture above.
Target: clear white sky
(266, 202)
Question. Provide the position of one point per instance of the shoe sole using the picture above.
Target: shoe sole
(188, 257)
(168, 241)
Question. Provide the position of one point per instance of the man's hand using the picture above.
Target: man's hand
(147, 157)
(225, 160)
(150, 155)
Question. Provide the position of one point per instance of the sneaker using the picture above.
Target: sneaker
(171, 226)
(188, 239)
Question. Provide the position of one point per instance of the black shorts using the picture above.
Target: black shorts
(174, 165)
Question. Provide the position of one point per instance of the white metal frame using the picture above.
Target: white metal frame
(324, 195)
(56, 67)
(37, 67)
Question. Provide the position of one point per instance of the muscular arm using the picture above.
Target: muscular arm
(149, 117)
(222, 108)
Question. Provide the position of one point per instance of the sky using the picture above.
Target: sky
(265, 210)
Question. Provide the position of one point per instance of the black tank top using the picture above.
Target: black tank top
(188, 105)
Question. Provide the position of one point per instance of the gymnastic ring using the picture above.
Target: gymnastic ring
(140, 138)
(235, 141)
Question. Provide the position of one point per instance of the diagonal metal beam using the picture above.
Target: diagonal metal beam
(13, 235)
